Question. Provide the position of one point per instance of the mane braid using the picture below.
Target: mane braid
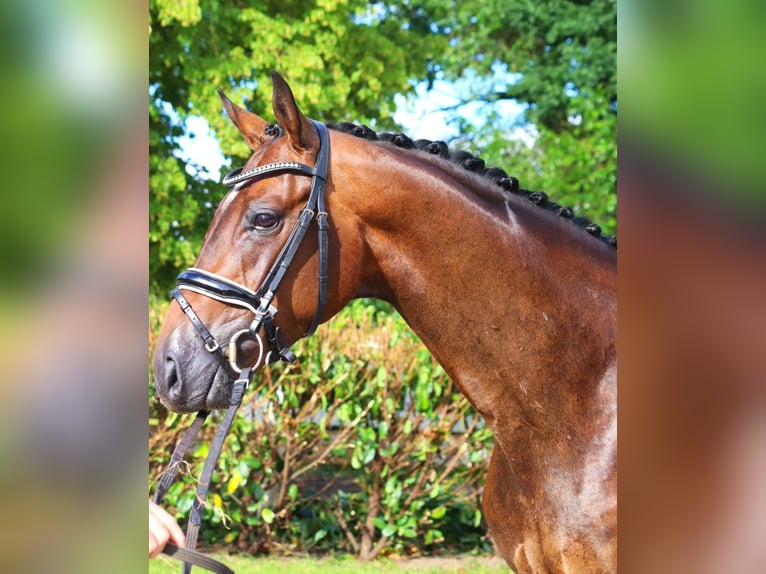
(468, 161)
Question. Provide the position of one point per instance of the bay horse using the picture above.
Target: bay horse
(512, 297)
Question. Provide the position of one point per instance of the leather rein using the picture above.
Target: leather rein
(259, 303)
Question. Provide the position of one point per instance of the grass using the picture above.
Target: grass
(344, 565)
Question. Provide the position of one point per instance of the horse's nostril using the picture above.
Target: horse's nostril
(170, 372)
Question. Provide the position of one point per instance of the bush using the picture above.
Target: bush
(363, 446)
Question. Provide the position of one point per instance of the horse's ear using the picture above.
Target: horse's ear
(300, 133)
(250, 125)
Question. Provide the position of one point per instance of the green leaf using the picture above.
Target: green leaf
(369, 455)
(390, 451)
(268, 515)
(434, 536)
(379, 522)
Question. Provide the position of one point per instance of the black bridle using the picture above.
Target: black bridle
(259, 303)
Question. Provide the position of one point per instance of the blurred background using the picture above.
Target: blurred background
(93, 224)
(692, 272)
(73, 285)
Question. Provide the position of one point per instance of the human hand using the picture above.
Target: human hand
(162, 528)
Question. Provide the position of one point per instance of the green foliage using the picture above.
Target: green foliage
(576, 167)
(563, 50)
(343, 63)
(561, 57)
(364, 445)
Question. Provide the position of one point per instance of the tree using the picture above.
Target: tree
(344, 59)
(560, 59)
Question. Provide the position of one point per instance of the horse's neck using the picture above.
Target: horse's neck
(516, 315)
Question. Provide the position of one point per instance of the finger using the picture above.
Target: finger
(158, 537)
(173, 530)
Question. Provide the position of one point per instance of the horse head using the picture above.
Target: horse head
(254, 281)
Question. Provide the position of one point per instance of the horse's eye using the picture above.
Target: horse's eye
(265, 220)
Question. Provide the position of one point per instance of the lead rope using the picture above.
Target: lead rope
(189, 555)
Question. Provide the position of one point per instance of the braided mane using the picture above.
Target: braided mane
(468, 161)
